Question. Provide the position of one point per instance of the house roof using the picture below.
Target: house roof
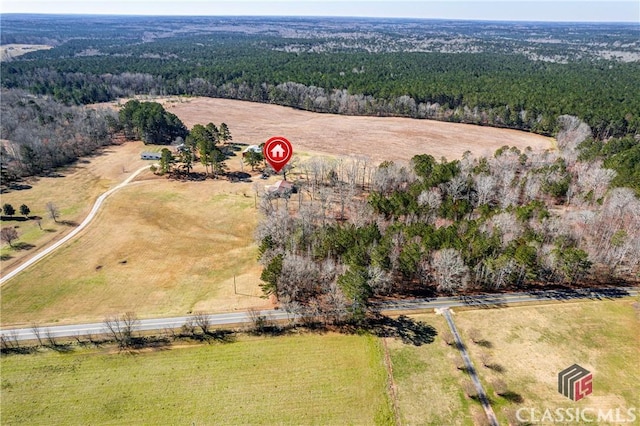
(280, 186)
(254, 148)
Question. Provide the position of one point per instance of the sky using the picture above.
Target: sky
(499, 10)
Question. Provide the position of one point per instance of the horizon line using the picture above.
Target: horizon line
(128, 15)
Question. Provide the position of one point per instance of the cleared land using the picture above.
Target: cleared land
(10, 51)
(528, 346)
(306, 379)
(429, 386)
(157, 248)
(73, 189)
(525, 347)
(380, 138)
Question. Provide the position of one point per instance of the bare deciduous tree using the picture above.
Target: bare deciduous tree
(449, 270)
(380, 280)
(8, 235)
(35, 328)
(9, 342)
(485, 359)
(299, 278)
(500, 387)
(474, 335)
(188, 328)
(447, 337)
(203, 321)
(573, 131)
(431, 198)
(510, 228)
(260, 323)
(51, 340)
(121, 328)
(470, 390)
(53, 210)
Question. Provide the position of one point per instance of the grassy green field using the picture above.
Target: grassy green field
(531, 344)
(156, 248)
(301, 379)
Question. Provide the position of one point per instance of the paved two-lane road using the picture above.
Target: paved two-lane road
(483, 301)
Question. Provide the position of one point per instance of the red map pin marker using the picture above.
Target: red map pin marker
(277, 151)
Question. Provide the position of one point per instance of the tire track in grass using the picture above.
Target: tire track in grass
(393, 390)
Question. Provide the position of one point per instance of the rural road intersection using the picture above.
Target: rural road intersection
(76, 230)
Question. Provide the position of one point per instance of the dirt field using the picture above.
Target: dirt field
(381, 138)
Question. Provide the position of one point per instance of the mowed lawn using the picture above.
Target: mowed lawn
(156, 248)
(304, 379)
(531, 344)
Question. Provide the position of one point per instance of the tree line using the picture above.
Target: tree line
(493, 89)
(43, 134)
(516, 220)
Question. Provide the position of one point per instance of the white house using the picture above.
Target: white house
(252, 148)
(151, 155)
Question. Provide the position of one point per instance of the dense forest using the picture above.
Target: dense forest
(150, 123)
(364, 67)
(516, 220)
(38, 134)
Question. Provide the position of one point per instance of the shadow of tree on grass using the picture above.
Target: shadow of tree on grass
(513, 397)
(484, 343)
(406, 329)
(23, 246)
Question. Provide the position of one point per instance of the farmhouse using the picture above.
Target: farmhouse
(281, 187)
(150, 155)
(251, 148)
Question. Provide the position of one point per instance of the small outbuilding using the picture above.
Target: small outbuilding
(151, 156)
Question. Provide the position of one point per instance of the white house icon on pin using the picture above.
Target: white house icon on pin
(277, 151)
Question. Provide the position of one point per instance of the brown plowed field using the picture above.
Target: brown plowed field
(381, 138)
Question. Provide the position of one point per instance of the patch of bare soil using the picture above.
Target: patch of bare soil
(10, 51)
(380, 138)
